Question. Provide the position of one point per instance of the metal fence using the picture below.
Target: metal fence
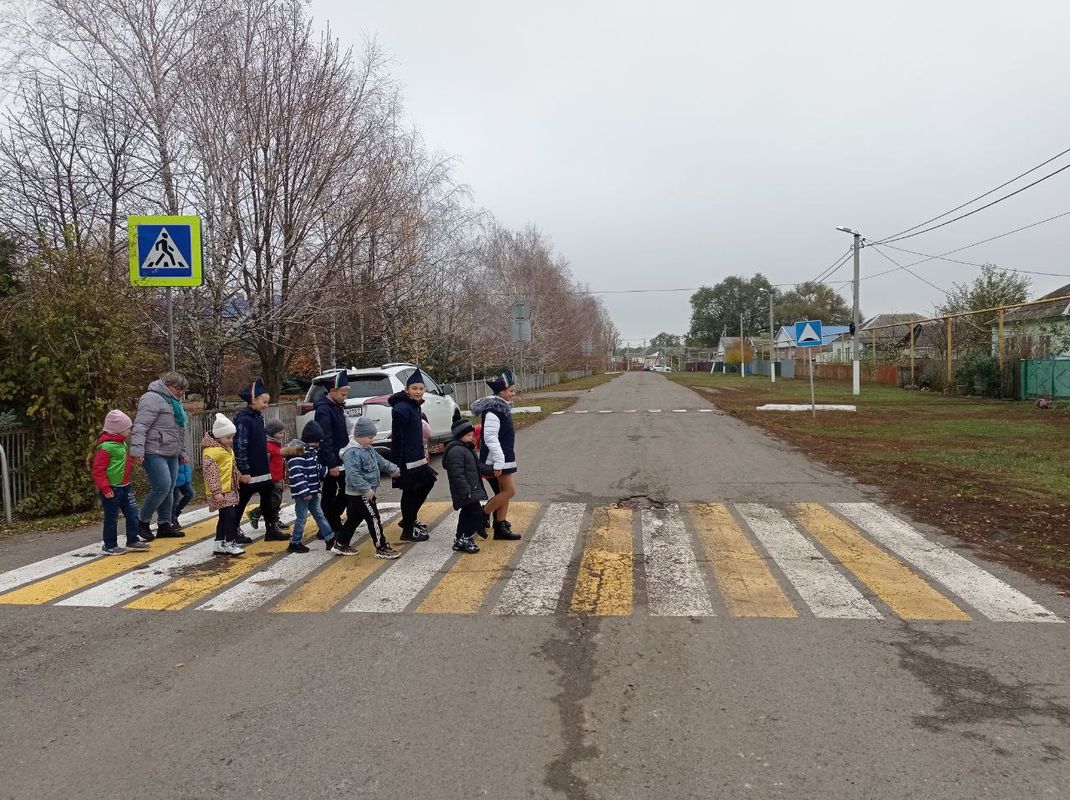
(16, 446)
(1049, 377)
(468, 392)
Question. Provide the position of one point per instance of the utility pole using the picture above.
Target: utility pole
(742, 353)
(856, 371)
(772, 344)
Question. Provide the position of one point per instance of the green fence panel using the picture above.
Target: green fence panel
(1046, 377)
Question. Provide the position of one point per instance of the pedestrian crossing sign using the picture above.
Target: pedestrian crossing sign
(165, 251)
(808, 333)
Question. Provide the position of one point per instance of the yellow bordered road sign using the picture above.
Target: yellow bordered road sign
(165, 251)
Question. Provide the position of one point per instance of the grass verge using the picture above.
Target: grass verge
(992, 472)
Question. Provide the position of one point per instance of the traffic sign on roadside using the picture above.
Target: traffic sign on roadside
(165, 251)
(808, 333)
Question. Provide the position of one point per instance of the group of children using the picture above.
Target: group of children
(247, 456)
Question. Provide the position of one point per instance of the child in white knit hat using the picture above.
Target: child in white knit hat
(221, 483)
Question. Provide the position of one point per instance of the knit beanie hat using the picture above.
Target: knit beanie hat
(254, 389)
(222, 427)
(273, 427)
(117, 422)
(416, 377)
(461, 427)
(502, 381)
(364, 426)
(312, 432)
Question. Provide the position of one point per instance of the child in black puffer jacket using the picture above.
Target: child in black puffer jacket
(466, 485)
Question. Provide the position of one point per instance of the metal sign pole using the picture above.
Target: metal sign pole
(170, 331)
(813, 401)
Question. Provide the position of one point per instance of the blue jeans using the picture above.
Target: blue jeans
(183, 494)
(303, 508)
(162, 472)
(123, 503)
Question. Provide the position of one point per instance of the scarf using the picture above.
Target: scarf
(180, 413)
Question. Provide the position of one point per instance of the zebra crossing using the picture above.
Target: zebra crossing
(847, 561)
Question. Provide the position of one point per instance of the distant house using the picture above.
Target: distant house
(830, 334)
(727, 344)
(886, 330)
(1036, 331)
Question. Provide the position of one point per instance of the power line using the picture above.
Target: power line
(907, 269)
(834, 267)
(974, 263)
(976, 210)
(979, 197)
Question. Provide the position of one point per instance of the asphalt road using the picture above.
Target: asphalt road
(116, 702)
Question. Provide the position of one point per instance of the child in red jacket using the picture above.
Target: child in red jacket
(111, 473)
(276, 435)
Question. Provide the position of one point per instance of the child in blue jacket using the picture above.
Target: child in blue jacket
(184, 492)
(363, 468)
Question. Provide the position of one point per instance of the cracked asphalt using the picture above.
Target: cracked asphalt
(120, 704)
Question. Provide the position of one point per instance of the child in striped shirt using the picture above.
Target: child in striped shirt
(306, 475)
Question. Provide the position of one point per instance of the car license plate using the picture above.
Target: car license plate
(356, 411)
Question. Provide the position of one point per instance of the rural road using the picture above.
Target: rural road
(745, 624)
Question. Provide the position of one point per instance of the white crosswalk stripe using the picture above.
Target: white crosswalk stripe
(129, 585)
(399, 585)
(824, 590)
(73, 558)
(674, 584)
(984, 591)
(538, 579)
(539, 583)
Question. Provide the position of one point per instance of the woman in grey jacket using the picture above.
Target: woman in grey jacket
(158, 442)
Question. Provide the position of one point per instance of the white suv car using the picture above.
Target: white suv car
(368, 393)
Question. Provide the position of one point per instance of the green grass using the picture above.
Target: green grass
(548, 405)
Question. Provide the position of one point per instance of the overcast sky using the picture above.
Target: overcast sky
(670, 144)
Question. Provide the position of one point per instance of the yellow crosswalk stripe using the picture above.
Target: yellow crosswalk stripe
(749, 588)
(604, 586)
(328, 587)
(81, 577)
(209, 577)
(892, 581)
(463, 589)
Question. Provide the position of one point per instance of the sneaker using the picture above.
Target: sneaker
(387, 552)
(241, 538)
(254, 517)
(220, 548)
(344, 550)
(465, 544)
(296, 547)
(138, 545)
(502, 530)
(231, 549)
(420, 536)
(406, 535)
(144, 531)
(165, 531)
(330, 543)
(275, 535)
(113, 551)
(176, 525)
(421, 527)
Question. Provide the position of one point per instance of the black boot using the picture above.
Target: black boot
(502, 530)
(486, 526)
(165, 531)
(144, 531)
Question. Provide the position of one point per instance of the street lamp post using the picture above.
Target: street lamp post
(856, 370)
(772, 361)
